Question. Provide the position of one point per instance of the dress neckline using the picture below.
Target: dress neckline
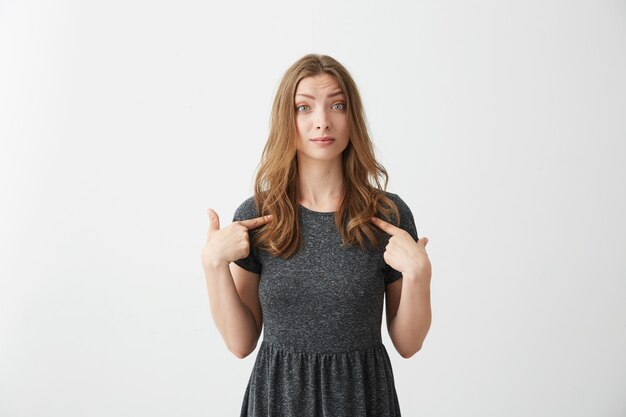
(321, 213)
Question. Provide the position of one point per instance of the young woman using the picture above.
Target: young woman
(311, 255)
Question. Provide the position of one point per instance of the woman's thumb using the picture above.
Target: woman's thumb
(214, 220)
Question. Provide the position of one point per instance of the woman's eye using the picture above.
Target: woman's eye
(342, 106)
(299, 107)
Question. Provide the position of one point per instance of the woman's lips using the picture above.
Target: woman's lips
(323, 140)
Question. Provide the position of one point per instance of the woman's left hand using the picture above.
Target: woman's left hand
(404, 254)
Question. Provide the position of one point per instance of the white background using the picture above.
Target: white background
(501, 124)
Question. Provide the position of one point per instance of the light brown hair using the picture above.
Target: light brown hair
(276, 184)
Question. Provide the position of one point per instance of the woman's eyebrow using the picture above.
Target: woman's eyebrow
(336, 93)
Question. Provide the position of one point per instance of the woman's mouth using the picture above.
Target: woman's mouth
(323, 140)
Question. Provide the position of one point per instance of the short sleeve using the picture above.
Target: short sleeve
(247, 210)
(407, 222)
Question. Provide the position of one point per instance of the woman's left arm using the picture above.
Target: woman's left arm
(408, 308)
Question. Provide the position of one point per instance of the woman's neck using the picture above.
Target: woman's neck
(320, 183)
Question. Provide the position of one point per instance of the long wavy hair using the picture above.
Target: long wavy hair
(276, 184)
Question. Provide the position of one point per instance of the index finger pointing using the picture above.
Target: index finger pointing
(386, 227)
(256, 222)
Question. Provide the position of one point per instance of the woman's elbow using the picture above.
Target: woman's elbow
(408, 354)
(242, 353)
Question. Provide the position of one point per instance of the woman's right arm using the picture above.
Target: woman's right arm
(235, 306)
(233, 291)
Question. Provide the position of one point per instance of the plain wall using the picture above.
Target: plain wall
(501, 124)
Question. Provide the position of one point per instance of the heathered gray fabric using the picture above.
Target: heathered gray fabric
(322, 352)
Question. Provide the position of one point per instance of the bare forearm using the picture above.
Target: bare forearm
(232, 318)
(410, 325)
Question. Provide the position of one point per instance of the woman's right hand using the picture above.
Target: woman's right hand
(230, 243)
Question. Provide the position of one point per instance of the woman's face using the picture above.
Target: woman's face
(321, 112)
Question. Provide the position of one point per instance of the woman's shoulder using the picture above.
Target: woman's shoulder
(407, 221)
(246, 210)
(399, 202)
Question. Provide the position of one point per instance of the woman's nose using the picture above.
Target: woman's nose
(322, 121)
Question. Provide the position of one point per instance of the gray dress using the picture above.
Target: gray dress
(322, 352)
